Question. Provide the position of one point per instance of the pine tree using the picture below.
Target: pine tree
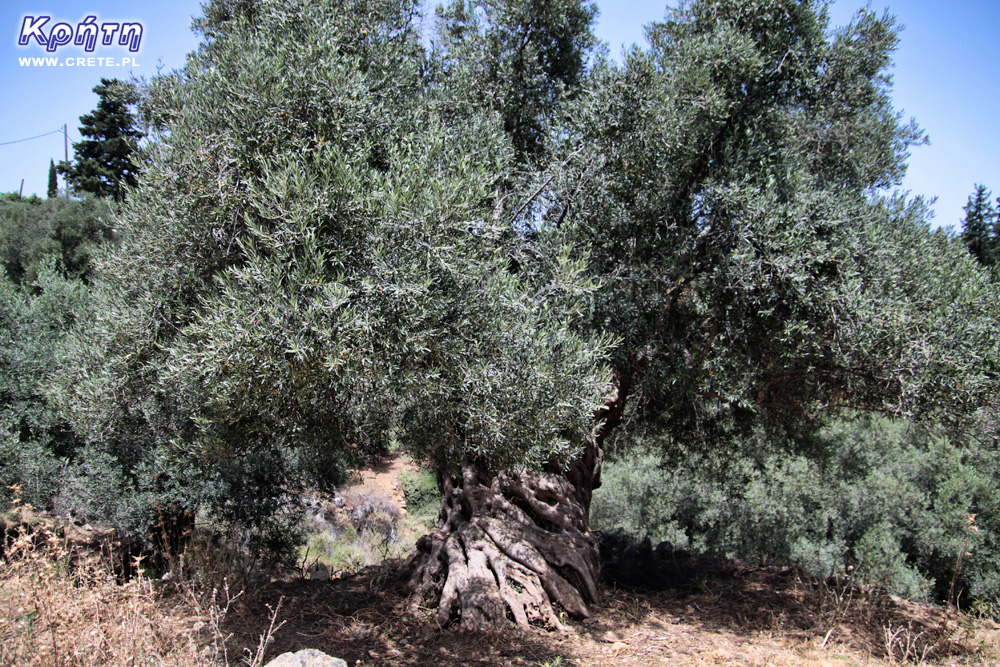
(979, 226)
(53, 191)
(103, 164)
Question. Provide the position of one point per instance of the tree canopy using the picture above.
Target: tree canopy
(33, 230)
(527, 59)
(316, 260)
(753, 263)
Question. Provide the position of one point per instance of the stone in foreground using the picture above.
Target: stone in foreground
(309, 657)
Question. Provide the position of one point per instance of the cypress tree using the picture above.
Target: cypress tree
(53, 190)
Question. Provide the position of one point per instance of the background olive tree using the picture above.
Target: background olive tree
(767, 283)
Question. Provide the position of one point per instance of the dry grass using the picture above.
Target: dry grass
(62, 604)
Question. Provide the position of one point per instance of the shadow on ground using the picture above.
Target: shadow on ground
(661, 607)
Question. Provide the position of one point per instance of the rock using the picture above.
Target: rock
(312, 504)
(308, 657)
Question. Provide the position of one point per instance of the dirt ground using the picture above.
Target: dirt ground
(666, 608)
(731, 614)
(707, 611)
(384, 479)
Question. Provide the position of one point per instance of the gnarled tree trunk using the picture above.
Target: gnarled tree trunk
(515, 544)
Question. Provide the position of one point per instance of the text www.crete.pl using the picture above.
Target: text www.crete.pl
(82, 61)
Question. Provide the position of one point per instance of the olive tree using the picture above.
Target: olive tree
(732, 188)
(739, 209)
(317, 260)
(339, 238)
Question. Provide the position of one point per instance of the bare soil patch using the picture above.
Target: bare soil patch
(383, 479)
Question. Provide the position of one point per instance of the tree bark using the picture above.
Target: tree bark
(514, 545)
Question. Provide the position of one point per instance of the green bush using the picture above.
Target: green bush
(357, 529)
(31, 232)
(638, 497)
(423, 498)
(34, 440)
(45, 249)
(894, 504)
(30, 466)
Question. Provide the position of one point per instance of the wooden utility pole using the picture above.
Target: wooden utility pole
(66, 146)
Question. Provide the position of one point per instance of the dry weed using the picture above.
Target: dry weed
(63, 606)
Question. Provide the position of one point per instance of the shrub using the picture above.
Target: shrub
(639, 497)
(32, 232)
(32, 468)
(900, 505)
(423, 498)
(375, 520)
(34, 442)
(358, 529)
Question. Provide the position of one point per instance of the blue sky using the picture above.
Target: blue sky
(947, 76)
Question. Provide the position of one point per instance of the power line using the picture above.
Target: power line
(17, 141)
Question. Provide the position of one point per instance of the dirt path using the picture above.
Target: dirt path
(384, 479)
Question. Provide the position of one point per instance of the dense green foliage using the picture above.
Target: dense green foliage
(34, 319)
(423, 498)
(752, 265)
(315, 256)
(892, 504)
(33, 230)
(103, 164)
(527, 59)
(342, 236)
(45, 250)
